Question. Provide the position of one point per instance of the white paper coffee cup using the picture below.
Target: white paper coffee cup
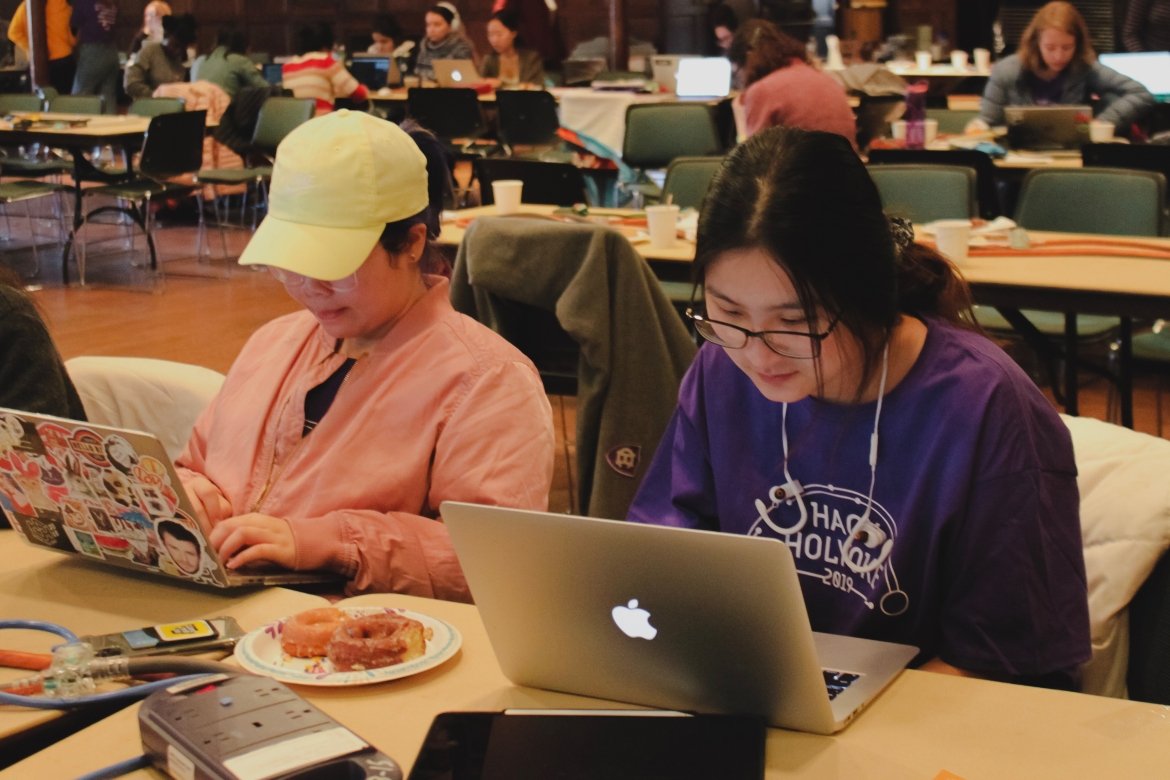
(982, 58)
(1100, 131)
(952, 237)
(923, 60)
(930, 130)
(898, 129)
(662, 224)
(959, 59)
(507, 195)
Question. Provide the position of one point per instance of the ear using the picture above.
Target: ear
(416, 243)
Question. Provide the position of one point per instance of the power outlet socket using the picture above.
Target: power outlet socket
(251, 727)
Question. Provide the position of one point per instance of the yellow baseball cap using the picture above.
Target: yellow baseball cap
(337, 181)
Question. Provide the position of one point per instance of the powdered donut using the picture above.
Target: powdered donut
(307, 634)
(372, 641)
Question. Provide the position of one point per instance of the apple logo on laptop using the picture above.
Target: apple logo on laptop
(634, 621)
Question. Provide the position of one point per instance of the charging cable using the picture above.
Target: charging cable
(72, 678)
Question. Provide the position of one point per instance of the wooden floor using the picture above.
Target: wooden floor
(202, 312)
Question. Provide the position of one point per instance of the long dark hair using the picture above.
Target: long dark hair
(394, 235)
(806, 200)
(760, 47)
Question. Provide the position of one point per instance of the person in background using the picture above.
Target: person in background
(163, 62)
(32, 376)
(537, 27)
(228, 65)
(782, 88)
(1056, 65)
(341, 428)
(508, 65)
(97, 56)
(313, 73)
(846, 406)
(152, 26)
(722, 22)
(1146, 26)
(444, 40)
(385, 34)
(59, 39)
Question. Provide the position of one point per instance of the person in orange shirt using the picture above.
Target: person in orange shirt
(58, 38)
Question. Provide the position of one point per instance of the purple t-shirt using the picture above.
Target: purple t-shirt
(973, 549)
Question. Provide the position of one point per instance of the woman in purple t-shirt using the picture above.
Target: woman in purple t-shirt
(846, 406)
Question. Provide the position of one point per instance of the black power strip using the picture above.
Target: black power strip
(226, 727)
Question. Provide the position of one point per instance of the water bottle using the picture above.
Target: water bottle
(916, 115)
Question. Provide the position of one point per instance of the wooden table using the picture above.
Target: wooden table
(924, 725)
(55, 131)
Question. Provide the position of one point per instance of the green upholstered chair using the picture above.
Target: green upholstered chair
(152, 106)
(657, 133)
(924, 193)
(77, 104)
(687, 180)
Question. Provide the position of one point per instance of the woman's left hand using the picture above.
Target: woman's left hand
(254, 538)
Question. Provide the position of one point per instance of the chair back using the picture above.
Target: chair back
(951, 120)
(152, 106)
(278, 117)
(173, 144)
(924, 193)
(1141, 157)
(981, 162)
(20, 101)
(1111, 201)
(656, 133)
(559, 184)
(527, 117)
(77, 104)
(47, 93)
(448, 112)
(687, 180)
(158, 396)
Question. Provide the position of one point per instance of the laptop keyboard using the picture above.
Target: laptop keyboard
(836, 682)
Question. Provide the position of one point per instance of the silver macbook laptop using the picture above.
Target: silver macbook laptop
(112, 496)
(664, 617)
(1048, 128)
(455, 73)
(703, 77)
(664, 69)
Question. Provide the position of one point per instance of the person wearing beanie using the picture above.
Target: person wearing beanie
(342, 427)
(444, 40)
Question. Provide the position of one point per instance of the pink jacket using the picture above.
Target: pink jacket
(442, 408)
(799, 96)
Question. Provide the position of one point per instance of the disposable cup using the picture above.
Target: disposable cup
(898, 129)
(952, 237)
(662, 224)
(507, 195)
(1100, 132)
(982, 58)
(959, 59)
(923, 60)
(930, 129)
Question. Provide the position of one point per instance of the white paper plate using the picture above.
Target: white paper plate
(259, 652)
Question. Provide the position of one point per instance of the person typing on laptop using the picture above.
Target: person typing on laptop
(1056, 65)
(846, 406)
(507, 64)
(341, 428)
(444, 39)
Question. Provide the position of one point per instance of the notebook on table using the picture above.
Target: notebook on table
(112, 496)
(455, 73)
(665, 617)
(1048, 128)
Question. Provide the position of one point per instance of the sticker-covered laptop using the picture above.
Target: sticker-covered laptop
(666, 617)
(112, 496)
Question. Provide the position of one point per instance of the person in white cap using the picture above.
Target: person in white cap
(341, 428)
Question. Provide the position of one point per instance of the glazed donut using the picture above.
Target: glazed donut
(306, 634)
(381, 639)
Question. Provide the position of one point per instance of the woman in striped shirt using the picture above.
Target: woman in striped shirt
(313, 73)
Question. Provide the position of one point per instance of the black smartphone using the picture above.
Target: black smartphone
(187, 637)
(579, 744)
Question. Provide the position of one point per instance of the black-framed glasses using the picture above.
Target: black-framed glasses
(803, 345)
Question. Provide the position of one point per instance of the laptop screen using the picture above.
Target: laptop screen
(703, 77)
(373, 72)
(1151, 69)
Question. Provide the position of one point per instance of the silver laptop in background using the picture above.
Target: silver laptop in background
(1151, 69)
(455, 73)
(112, 496)
(703, 77)
(664, 69)
(1048, 128)
(658, 616)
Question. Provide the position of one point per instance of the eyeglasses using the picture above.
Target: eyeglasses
(294, 280)
(789, 343)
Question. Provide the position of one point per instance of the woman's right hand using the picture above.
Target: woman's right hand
(210, 505)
